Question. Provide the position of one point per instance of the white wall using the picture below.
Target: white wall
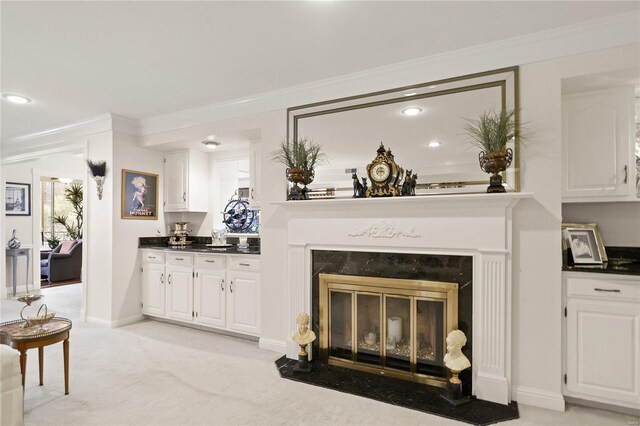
(28, 227)
(99, 233)
(619, 222)
(126, 292)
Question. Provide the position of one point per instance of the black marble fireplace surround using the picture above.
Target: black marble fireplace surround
(446, 268)
(457, 269)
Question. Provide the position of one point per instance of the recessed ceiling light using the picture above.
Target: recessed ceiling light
(211, 144)
(411, 94)
(434, 144)
(16, 99)
(412, 111)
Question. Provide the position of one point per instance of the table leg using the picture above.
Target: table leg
(23, 365)
(65, 349)
(15, 275)
(41, 362)
(26, 283)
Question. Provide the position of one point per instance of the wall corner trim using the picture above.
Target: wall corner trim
(273, 345)
(538, 398)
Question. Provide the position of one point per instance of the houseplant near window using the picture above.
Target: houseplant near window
(491, 132)
(301, 158)
(74, 195)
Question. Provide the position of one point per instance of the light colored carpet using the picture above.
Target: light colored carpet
(152, 373)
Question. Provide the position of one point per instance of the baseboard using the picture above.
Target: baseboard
(630, 410)
(272, 345)
(127, 321)
(491, 387)
(98, 321)
(538, 398)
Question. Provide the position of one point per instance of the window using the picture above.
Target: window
(61, 202)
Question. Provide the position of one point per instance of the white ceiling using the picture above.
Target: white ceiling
(138, 59)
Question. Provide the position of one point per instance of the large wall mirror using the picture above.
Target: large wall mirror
(432, 142)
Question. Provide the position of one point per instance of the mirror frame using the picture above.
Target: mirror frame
(349, 103)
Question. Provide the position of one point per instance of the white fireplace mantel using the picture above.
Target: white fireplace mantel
(477, 225)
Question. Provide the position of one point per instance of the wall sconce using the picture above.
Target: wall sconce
(98, 171)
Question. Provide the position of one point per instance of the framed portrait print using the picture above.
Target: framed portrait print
(585, 242)
(139, 195)
(17, 199)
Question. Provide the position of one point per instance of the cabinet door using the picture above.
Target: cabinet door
(244, 302)
(209, 297)
(597, 142)
(255, 170)
(180, 292)
(176, 168)
(602, 350)
(153, 289)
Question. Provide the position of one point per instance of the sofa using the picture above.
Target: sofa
(57, 266)
(11, 390)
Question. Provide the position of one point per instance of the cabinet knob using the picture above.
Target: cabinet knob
(244, 264)
(184, 196)
(162, 278)
(252, 194)
(626, 173)
(169, 279)
(231, 287)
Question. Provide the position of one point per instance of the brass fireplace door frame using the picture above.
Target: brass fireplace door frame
(411, 289)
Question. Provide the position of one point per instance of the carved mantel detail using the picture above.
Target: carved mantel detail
(383, 229)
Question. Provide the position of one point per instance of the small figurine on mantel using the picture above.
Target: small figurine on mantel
(456, 361)
(303, 337)
(409, 184)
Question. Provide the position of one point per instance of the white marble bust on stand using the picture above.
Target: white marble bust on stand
(304, 335)
(455, 359)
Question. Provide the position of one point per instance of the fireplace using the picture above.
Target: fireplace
(388, 326)
(464, 239)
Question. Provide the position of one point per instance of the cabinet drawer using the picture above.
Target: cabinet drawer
(180, 259)
(619, 289)
(244, 264)
(152, 257)
(209, 261)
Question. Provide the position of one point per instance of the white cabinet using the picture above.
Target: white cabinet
(186, 177)
(598, 145)
(244, 302)
(210, 297)
(220, 291)
(179, 292)
(602, 337)
(255, 178)
(153, 289)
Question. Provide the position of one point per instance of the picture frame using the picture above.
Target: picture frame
(585, 242)
(139, 195)
(17, 199)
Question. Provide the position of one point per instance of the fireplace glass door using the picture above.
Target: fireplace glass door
(387, 326)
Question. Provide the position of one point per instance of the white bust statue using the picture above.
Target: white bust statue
(455, 359)
(304, 335)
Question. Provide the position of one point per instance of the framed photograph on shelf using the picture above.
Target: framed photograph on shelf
(139, 195)
(17, 199)
(585, 242)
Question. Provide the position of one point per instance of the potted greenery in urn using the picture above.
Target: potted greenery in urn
(301, 157)
(491, 132)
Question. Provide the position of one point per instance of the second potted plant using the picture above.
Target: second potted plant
(491, 132)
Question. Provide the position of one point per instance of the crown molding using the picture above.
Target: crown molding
(58, 139)
(618, 30)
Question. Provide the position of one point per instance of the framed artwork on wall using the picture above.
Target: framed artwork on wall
(17, 199)
(585, 242)
(139, 195)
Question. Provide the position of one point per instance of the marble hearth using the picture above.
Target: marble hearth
(475, 226)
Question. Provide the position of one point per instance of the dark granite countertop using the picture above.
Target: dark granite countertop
(622, 261)
(197, 248)
(199, 245)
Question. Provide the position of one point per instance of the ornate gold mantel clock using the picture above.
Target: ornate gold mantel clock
(385, 175)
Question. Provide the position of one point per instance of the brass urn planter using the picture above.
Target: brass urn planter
(494, 163)
(298, 175)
